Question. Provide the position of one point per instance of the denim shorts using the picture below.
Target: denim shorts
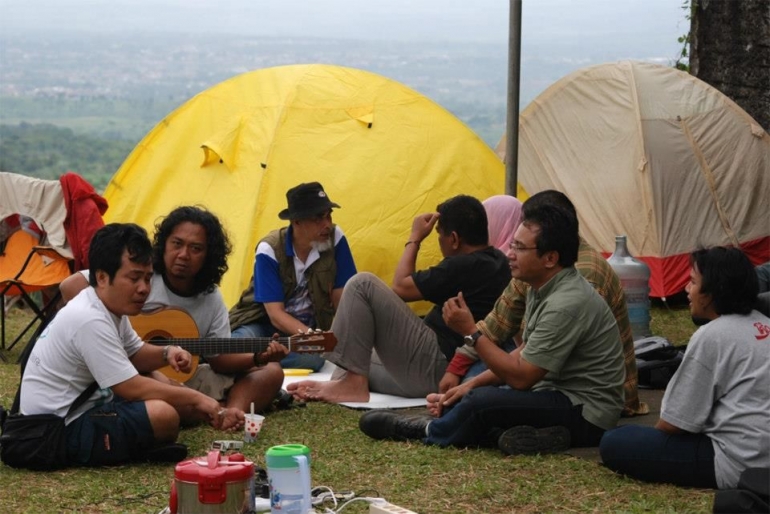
(109, 434)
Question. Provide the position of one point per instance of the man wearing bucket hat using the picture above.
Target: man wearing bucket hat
(299, 273)
(382, 345)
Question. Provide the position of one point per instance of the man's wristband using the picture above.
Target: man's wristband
(165, 352)
(257, 362)
(417, 243)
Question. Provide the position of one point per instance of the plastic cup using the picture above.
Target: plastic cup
(251, 427)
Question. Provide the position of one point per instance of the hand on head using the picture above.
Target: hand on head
(423, 225)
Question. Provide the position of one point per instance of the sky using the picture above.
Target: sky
(557, 36)
(625, 25)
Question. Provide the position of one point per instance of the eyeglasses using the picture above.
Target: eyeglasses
(518, 248)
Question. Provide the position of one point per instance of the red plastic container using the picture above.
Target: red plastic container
(215, 484)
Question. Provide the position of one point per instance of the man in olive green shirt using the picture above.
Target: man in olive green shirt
(563, 387)
(510, 310)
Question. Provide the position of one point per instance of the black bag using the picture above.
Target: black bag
(656, 361)
(37, 441)
(751, 496)
(34, 442)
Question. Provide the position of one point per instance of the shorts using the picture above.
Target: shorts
(209, 382)
(109, 434)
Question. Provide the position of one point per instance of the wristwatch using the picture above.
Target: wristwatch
(471, 339)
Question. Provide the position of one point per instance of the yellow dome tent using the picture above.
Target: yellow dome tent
(384, 152)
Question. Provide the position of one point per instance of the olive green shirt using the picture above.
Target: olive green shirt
(505, 320)
(571, 333)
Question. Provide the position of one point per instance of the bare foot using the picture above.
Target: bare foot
(351, 388)
(434, 404)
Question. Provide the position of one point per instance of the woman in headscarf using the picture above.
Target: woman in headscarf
(503, 218)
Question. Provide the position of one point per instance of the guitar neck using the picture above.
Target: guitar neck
(215, 345)
(171, 326)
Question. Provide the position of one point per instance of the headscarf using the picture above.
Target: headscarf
(503, 218)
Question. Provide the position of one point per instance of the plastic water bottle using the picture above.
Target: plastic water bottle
(288, 472)
(635, 278)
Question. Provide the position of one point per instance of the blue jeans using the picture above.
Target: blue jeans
(649, 454)
(293, 360)
(478, 367)
(484, 413)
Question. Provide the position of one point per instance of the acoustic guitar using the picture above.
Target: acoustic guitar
(172, 326)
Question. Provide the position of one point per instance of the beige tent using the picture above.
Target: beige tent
(654, 153)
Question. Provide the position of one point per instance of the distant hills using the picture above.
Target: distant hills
(103, 92)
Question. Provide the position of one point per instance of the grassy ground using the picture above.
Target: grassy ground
(423, 479)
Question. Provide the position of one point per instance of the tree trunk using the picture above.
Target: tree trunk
(730, 50)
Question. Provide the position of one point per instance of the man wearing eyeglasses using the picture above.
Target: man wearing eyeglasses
(598, 272)
(563, 387)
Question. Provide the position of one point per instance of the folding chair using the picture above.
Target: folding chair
(68, 211)
(26, 267)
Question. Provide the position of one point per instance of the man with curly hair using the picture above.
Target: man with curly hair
(190, 251)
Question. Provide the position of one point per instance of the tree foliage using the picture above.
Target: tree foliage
(47, 151)
(683, 61)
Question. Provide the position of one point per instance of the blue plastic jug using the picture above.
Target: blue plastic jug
(635, 278)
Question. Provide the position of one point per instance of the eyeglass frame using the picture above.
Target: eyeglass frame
(516, 249)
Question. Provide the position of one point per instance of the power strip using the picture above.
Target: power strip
(388, 508)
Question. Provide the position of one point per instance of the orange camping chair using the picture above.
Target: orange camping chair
(26, 267)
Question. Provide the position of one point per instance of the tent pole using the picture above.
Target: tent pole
(512, 111)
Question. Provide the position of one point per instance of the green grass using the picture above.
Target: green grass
(422, 478)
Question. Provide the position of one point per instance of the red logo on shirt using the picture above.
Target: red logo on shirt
(763, 330)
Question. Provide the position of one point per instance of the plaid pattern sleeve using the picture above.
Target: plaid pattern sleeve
(505, 319)
(597, 271)
(500, 325)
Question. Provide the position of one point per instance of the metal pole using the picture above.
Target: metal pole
(512, 111)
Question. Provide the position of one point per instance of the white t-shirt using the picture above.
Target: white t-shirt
(722, 389)
(207, 309)
(84, 343)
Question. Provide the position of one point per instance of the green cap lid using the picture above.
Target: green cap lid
(282, 456)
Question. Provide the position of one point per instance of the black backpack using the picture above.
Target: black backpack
(656, 361)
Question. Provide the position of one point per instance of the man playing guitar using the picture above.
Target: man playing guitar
(190, 252)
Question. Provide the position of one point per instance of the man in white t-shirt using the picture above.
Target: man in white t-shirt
(190, 252)
(129, 416)
(716, 410)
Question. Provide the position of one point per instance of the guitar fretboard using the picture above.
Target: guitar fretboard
(213, 345)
